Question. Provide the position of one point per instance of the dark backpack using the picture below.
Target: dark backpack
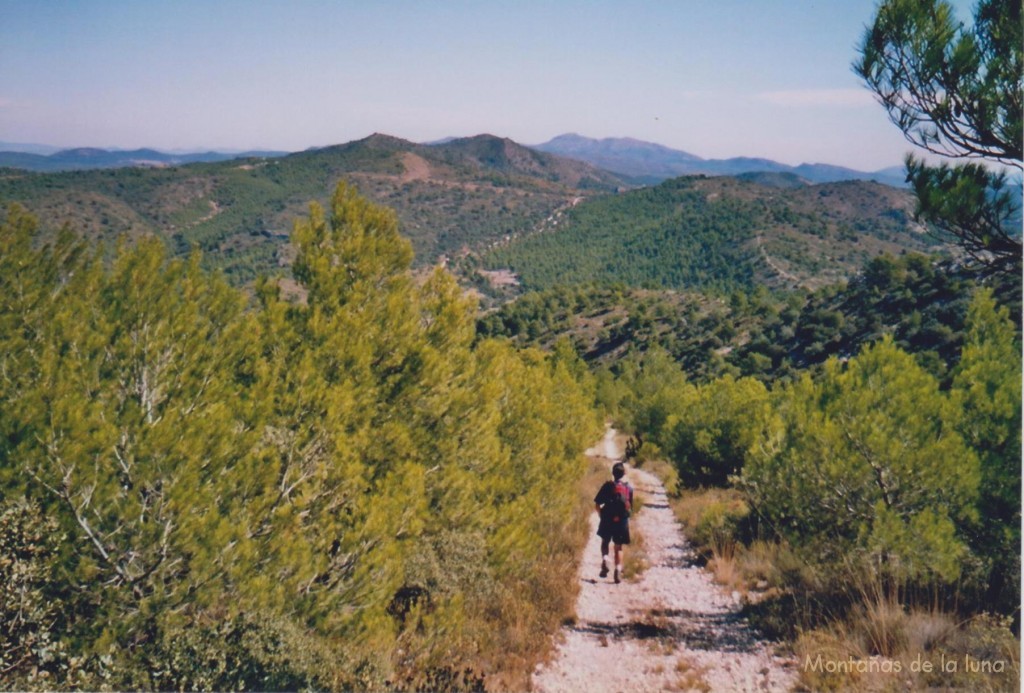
(619, 505)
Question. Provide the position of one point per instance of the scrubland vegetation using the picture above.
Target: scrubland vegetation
(371, 485)
(206, 489)
(870, 513)
(859, 479)
(364, 482)
(375, 487)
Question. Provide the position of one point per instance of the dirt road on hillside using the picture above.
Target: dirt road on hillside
(671, 628)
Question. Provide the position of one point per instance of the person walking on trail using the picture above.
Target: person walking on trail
(614, 503)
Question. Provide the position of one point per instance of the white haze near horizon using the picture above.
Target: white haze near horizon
(758, 78)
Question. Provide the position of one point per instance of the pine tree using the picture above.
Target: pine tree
(245, 489)
(710, 437)
(865, 468)
(955, 91)
(987, 385)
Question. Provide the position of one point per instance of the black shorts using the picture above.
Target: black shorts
(617, 532)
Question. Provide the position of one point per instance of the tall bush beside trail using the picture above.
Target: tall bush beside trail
(987, 385)
(432, 467)
(707, 430)
(122, 415)
(651, 388)
(326, 494)
(710, 438)
(865, 468)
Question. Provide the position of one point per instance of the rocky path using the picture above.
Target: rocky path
(671, 628)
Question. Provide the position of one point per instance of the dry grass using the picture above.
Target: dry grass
(820, 656)
(534, 612)
(883, 625)
(635, 560)
(690, 677)
(927, 630)
(666, 473)
(700, 510)
(726, 570)
(884, 647)
(711, 518)
(877, 644)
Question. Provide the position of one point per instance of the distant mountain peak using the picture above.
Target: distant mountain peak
(83, 152)
(623, 155)
(380, 139)
(648, 162)
(484, 137)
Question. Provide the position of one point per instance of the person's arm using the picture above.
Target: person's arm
(600, 499)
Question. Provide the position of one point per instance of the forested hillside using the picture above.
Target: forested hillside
(204, 490)
(461, 194)
(918, 300)
(718, 234)
(376, 486)
(865, 505)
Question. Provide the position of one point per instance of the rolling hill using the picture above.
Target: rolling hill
(720, 234)
(449, 197)
(486, 202)
(922, 304)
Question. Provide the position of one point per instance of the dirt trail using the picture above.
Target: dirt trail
(759, 239)
(670, 629)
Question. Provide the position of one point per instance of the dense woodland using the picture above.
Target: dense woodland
(717, 235)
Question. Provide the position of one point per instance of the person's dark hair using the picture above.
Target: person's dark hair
(618, 470)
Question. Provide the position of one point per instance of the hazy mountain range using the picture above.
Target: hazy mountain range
(646, 162)
(637, 161)
(36, 157)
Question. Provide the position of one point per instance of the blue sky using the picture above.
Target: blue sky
(717, 78)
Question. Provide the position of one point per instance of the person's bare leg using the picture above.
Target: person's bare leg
(604, 558)
(618, 561)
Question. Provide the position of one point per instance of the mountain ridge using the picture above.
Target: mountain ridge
(89, 158)
(640, 162)
(448, 197)
(647, 162)
(455, 201)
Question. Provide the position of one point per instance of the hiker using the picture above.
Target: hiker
(613, 503)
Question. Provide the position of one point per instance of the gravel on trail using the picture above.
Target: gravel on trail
(670, 628)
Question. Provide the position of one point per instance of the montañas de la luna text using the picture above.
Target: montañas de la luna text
(852, 665)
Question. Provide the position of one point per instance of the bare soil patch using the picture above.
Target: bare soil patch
(416, 167)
